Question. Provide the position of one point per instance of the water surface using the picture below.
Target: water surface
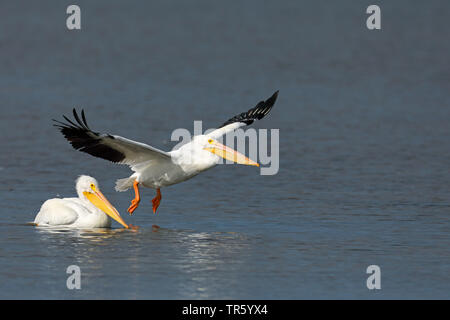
(364, 148)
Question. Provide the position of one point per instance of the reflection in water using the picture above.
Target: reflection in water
(185, 261)
(85, 246)
(96, 234)
(206, 255)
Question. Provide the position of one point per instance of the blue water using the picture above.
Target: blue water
(364, 148)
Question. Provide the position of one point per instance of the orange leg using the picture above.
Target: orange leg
(137, 198)
(156, 200)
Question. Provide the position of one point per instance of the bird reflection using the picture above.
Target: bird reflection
(180, 263)
(94, 234)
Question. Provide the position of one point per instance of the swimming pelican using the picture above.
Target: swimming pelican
(86, 211)
(154, 168)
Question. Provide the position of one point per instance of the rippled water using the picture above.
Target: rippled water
(364, 148)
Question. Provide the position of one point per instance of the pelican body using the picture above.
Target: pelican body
(90, 210)
(154, 168)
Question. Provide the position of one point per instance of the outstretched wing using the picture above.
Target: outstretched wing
(110, 147)
(246, 118)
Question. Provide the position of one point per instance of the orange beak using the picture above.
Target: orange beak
(98, 199)
(228, 153)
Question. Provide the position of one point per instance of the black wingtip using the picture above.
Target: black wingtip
(273, 98)
(84, 118)
(256, 113)
(84, 139)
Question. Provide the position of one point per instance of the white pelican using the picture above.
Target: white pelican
(86, 211)
(154, 168)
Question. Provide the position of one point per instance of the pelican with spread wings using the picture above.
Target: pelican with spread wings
(154, 168)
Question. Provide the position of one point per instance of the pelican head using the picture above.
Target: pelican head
(88, 190)
(225, 152)
(216, 150)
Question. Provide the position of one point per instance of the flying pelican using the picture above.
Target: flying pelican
(86, 211)
(154, 168)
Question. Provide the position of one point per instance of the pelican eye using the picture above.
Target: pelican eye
(210, 141)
